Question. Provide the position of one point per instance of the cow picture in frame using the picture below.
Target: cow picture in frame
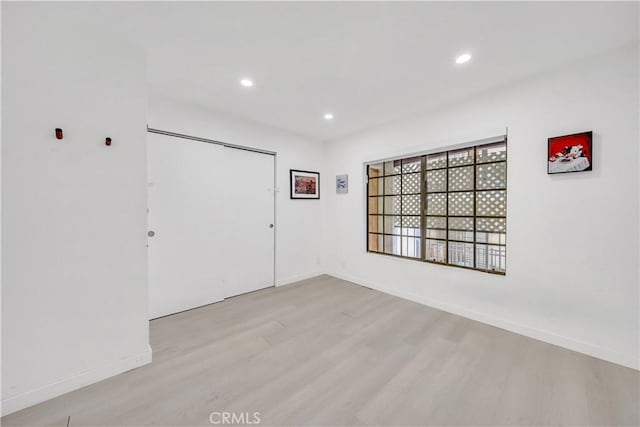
(570, 153)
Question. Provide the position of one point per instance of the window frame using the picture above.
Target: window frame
(422, 231)
(400, 196)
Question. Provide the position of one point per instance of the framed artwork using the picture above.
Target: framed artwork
(570, 153)
(342, 184)
(304, 184)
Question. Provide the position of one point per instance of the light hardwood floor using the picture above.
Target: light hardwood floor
(328, 352)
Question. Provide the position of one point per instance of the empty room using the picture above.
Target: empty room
(320, 213)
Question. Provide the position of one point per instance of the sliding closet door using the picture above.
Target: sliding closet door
(185, 193)
(249, 230)
(211, 223)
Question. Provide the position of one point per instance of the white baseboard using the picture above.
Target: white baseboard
(292, 279)
(30, 398)
(539, 334)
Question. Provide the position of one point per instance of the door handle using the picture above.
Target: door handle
(270, 225)
(151, 233)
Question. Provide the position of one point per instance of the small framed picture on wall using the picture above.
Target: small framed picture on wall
(570, 153)
(342, 184)
(304, 184)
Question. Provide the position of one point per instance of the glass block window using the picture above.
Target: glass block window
(447, 208)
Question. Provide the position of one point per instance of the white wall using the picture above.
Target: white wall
(298, 222)
(572, 240)
(74, 292)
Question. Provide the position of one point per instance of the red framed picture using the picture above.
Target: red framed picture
(570, 153)
(304, 184)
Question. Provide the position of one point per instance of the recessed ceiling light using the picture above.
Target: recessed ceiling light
(328, 116)
(246, 82)
(465, 57)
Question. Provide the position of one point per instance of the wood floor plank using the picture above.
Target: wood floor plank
(328, 352)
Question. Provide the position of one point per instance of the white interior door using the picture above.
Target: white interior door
(185, 197)
(249, 210)
(210, 210)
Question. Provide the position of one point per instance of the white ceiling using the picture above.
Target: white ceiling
(368, 63)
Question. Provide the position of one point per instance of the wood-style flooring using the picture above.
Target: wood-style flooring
(327, 352)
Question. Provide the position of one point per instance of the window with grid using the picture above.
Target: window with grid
(446, 208)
